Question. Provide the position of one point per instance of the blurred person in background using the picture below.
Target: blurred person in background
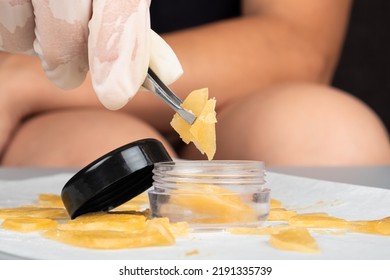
(269, 64)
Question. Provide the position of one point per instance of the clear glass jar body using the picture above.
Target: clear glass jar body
(210, 194)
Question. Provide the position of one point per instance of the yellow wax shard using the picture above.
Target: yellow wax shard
(29, 224)
(50, 200)
(212, 204)
(100, 230)
(101, 221)
(202, 131)
(381, 227)
(33, 212)
(153, 233)
(191, 253)
(274, 203)
(177, 229)
(280, 214)
(319, 220)
(294, 239)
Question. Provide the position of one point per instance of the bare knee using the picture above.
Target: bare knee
(302, 125)
(74, 137)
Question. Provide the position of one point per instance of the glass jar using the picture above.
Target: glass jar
(210, 195)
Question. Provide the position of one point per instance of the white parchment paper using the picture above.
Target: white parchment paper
(351, 202)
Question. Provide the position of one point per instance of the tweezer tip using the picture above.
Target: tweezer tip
(189, 117)
(154, 84)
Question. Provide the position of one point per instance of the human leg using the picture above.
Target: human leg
(26, 91)
(74, 137)
(300, 125)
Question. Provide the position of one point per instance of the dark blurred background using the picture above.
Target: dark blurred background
(364, 67)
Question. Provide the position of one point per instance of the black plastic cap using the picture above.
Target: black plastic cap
(114, 178)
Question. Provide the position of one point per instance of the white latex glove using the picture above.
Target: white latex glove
(114, 42)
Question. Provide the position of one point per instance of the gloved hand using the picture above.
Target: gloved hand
(111, 38)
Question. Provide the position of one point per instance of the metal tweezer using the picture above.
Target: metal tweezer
(155, 85)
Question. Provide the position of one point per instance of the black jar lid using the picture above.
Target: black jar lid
(114, 178)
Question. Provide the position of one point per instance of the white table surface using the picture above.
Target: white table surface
(377, 176)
